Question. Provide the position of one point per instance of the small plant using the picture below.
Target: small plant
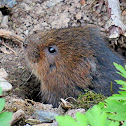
(111, 112)
(5, 117)
(89, 99)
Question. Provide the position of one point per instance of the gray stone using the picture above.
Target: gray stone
(1, 16)
(5, 85)
(61, 22)
(73, 112)
(7, 3)
(45, 116)
(78, 16)
(52, 3)
(4, 23)
(3, 73)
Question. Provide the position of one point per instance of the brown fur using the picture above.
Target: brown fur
(67, 72)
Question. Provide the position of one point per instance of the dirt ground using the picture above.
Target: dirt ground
(28, 16)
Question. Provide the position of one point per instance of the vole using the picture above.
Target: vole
(68, 61)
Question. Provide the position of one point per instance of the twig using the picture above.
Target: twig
(9, 48)
(71, 98)
(65, 104)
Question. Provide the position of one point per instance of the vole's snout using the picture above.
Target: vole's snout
(51, 53)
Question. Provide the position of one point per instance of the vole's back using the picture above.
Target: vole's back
(105, 71)
(71, 60)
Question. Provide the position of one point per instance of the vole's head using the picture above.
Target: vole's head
(41, 54)
(59, 59)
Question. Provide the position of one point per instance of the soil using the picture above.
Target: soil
(28, 16)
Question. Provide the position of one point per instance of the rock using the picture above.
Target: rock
(74, 25)
(4, 22)
(5, 85)
(54, 124)
(78, 16)
(73, 112)
(26, 32)
(61, 22)
(3, 73)
(27, 125)
(44, 24)
(45, 116)
(7, 3)
(52, 3)
(82, 2)
(38, 27)
(25, 6)
(32, 121)
(1, 16)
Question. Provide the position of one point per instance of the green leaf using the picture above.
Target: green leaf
(121, 96)
(121, 82)
(96, 117)
(81, 119)
(121, 69)
(116, 109)
(101, 105)
(2, 103)
(66, 121)
(5, 118)
(112, 123)
(123, 88)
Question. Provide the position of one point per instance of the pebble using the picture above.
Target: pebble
(26, 32)
(73, 112)
(26, 6)
(5, 85)
(8, 3)
(44, 24)
(61, 22)
(27, 125)
(52, 3)
(45, 116)
(3, 73)
(4, 22)
(54, 124)
(78, 16)
(1, 16)
(38, 27)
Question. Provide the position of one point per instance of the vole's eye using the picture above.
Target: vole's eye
(51, 50)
